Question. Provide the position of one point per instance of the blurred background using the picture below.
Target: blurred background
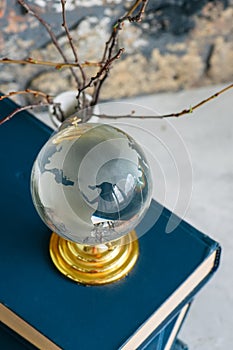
(179, 44)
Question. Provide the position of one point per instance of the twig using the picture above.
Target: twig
(104, 68)
(130, 115)
(64, 24)
(199, 104)
(23, 108)
(36, 93)
(163, 116)
(57, 65)
(30, 10)
(70, 39)
(109, 45)
(138, 17)
(112, 42)
(109, 55)
(95, 96)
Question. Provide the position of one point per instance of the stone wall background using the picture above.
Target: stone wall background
(180, 44)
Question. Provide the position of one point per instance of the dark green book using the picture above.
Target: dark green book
(52, 312)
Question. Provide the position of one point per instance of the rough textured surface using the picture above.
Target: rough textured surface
(180, 44)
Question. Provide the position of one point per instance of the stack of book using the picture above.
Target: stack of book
(39, 308)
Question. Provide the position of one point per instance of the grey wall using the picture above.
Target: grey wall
(180, 44)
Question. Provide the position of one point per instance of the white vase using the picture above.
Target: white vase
(68, 105)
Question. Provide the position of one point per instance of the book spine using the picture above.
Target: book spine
(179, 345)
(217, 260)
(164, 339)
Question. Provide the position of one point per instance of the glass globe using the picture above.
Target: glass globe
(91, 183)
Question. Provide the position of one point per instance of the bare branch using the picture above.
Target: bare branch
(163, 116)
(138, 17)
(98, 86)
(199, 104)
(30, 10)
(64, 24)
(57, 65)
(35, 93)
(70, 39)
(110, 55)
(23, 108)
(111, 44)
(105, 68)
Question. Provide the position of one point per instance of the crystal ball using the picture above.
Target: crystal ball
(91, 183)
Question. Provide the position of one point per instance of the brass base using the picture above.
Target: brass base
(94, 265)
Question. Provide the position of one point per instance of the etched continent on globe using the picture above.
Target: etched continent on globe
(91, 183)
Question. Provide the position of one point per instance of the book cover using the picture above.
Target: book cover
(9, 340)
(172, 337)
(164, 340)
(52, 312)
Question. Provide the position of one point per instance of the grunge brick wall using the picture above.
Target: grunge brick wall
(180, 44)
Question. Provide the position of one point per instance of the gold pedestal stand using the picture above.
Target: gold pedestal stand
(94, 265)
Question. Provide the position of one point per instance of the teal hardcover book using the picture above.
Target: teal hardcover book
(167, 337)
(164, 340)
(10, 340)
(52, 312)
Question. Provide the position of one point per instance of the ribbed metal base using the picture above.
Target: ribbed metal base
(94, 265)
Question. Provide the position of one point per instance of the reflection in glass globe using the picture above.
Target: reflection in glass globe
(91, 183)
